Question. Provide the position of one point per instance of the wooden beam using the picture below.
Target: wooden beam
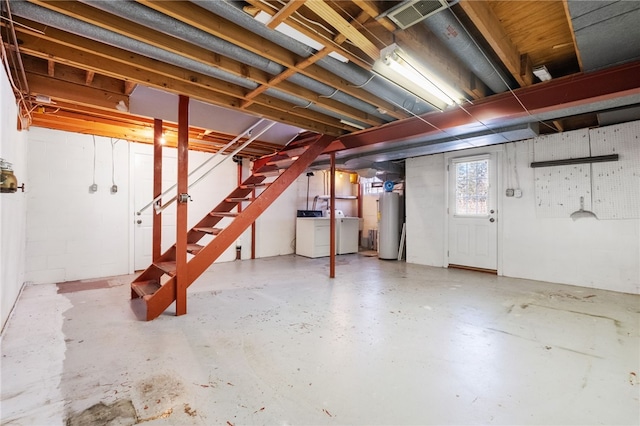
(489, 25)
(89, 79)
(126, 126)
(567, 13)
(286, 11)
(198, 86)
(51, 68)
(129, 86)
(323, 10)
(142, 65)
(371, 9)
(213, 24)
(71, 92)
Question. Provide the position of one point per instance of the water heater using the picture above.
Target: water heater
(389, 225)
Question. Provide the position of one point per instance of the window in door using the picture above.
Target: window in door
(472, 188)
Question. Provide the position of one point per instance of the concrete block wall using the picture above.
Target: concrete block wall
(12, 205)
(73, 233)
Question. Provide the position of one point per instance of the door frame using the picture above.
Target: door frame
(498, 151)
(139, 148)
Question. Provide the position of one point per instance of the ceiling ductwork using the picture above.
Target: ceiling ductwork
(455, 37)
(411, 12)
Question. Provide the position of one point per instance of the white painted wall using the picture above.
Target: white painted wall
(73, 234)
(593, 253)
(12, 205)
(424, 209)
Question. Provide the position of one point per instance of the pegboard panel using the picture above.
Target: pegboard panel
(561, 146)
(616, 185)
(558, 189)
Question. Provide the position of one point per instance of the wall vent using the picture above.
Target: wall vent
(414, 11)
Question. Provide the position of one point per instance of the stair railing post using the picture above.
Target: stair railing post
(156, 250)
(181, 209)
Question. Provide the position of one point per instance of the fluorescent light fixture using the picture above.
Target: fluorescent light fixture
(283, 28)
(396, 66)
(352, 124)
(542, 73)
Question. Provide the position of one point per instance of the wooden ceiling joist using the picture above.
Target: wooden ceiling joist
(484, 19)
(326, 12)
(173, 79)
(286, 11)
(229, 31)
(151, 65)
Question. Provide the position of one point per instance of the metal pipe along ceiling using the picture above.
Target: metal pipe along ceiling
(465, 49)
(170, 26)
(348, 71)
(75, 26)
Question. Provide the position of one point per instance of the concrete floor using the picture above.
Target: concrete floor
(274, 341)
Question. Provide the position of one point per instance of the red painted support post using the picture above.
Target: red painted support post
(156, 250)
(239, 252)
(181, 210)
(359, 201)
(253, 232)
(332, 215)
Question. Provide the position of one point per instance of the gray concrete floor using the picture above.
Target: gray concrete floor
(274, 341)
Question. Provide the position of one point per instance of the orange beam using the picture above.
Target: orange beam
(181, 220)
(157, 188)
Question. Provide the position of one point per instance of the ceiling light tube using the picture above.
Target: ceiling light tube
(542, 73)
(397, 67)
(352, 124)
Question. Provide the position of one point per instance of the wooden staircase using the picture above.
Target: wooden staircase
(158, 284)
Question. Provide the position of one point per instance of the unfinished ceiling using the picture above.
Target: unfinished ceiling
(307, 65)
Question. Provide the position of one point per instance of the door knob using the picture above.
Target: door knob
(139, 221)
(492, 220)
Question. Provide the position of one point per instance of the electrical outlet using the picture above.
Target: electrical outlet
(510, 192)
(114, 189)
(518, 193)
(93, 188)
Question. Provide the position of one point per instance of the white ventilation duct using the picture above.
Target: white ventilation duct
(413, 11)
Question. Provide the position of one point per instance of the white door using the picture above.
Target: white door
(143, 194)
(472, 212)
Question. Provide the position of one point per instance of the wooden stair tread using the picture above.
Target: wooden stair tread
(211, 231)
(269, 173)
(254, 185)
(282, 163)
(194, 248)
(224, 214)
(167, 267)
(295, 151)
(145, 288)
(239, 199)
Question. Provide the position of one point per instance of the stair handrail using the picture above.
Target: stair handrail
(220, 151)
(159, 209)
